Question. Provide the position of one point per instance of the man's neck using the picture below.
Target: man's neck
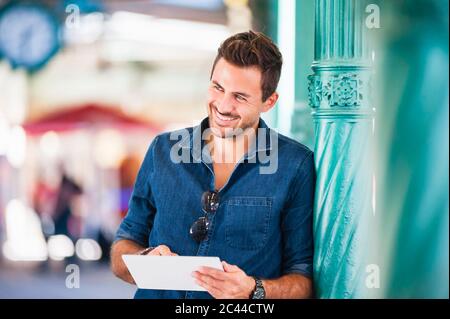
(231, 149)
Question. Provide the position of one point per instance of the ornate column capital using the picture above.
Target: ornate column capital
(340, 84)
(346, 90)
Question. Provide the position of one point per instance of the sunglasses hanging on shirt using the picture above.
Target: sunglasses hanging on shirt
(210, 204)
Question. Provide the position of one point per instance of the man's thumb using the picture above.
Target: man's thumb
(227, 267)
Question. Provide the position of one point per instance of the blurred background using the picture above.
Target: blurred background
(85, 85)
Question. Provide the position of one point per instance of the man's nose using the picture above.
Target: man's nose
(225, 105)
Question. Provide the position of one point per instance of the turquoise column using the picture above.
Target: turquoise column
(343, 120)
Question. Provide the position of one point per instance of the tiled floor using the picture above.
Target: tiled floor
(49, 282)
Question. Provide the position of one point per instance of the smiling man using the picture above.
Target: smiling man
(218, 200)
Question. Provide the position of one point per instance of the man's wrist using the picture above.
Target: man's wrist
(252, 287)
(259, 291)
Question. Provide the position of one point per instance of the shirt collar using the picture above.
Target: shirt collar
(194, 140)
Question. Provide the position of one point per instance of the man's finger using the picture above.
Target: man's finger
(213, 272)
(229, 268)
(215, 292)
(216, 283)
(164, 250)
(154, 252)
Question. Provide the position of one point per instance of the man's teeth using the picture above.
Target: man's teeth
(225, 118)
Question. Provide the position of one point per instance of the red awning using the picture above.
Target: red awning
(87, 117)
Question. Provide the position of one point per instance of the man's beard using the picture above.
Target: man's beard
(227, 132)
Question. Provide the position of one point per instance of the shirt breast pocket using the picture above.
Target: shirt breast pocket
(247, 221)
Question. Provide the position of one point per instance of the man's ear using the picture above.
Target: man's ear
(270, 102)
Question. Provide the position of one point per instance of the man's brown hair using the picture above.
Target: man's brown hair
(250, 48)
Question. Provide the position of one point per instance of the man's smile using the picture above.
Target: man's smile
(223, 120)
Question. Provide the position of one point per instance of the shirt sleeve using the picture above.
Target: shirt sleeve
(297, 221)
(138, 222)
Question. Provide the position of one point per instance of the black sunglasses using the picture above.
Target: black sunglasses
(210, 203)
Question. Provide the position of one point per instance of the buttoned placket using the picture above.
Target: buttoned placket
(205, 154)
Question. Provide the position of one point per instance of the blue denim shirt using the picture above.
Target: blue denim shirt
(264, 220)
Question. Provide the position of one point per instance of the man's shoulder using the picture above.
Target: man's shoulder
(293, 147)
(294, 156)
(174, 136)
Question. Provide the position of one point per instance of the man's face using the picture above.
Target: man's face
(235, 99)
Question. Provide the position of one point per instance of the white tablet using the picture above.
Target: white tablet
(168, 272)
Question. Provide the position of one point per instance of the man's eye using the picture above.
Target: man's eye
(218, 88)
(241, 98)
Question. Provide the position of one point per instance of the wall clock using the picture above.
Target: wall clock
(29, 34)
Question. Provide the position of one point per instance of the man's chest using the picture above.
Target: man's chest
(249, 206)
(222, 173)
